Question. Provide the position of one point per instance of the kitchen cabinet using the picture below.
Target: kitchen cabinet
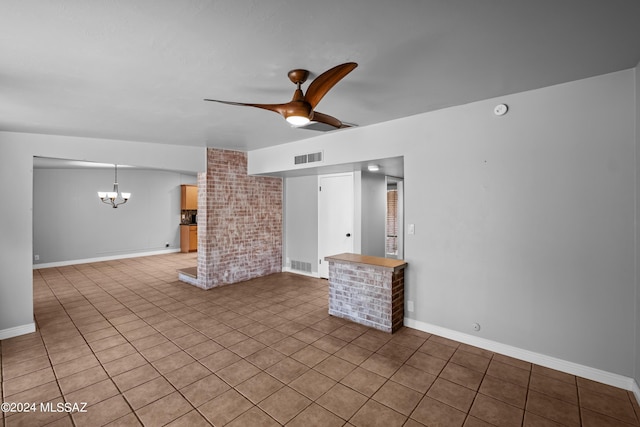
(189, 215)
(188, 238)
(189, 199)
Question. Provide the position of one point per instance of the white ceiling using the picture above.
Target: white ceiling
(139, 69)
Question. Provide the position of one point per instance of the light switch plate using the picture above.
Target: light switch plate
(412, 229)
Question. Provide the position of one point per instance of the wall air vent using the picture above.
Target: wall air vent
(314, 157)
(301, 266)
(307, 158)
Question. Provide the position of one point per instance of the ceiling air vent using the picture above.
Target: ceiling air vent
(308, 158)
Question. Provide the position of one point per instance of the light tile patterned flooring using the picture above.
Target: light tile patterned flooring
(142, 348)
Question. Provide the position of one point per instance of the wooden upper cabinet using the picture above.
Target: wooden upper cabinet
(189, 200)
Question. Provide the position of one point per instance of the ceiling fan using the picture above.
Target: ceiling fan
(300, 111)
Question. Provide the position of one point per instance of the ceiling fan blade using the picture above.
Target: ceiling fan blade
(325, 81)
(329, 120)
(277, 108)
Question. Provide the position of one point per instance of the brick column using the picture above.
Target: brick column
(239, 222)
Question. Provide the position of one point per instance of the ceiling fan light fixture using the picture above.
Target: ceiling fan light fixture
(297, 121)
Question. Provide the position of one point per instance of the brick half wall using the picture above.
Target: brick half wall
(370, 295)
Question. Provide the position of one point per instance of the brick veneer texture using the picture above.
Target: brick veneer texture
(370, 295)
(239, 222)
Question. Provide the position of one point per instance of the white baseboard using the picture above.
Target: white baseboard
(302, 273)
(105, 258)
(572, 368)
(17, 330)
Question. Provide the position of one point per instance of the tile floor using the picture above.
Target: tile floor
(141, 348)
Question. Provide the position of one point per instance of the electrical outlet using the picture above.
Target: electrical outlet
(36, 257)
(410, 306)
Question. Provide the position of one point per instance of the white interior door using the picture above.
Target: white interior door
(335, 217)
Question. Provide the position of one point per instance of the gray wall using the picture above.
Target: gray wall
(70, 223)
(16, 216)
(374, 212)
(523, 223)
(301, 220)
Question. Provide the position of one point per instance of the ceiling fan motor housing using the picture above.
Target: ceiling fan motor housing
(298, 105)
(299, 109)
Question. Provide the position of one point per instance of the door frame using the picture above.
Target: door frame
(399, 214)
(354, 233)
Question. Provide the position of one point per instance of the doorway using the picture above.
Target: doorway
(394, 223)
(335, 217)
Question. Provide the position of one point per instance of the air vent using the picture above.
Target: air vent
(308, 158)
(301, 266)
(314, 157)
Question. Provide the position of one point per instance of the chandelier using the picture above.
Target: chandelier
(114, 198)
